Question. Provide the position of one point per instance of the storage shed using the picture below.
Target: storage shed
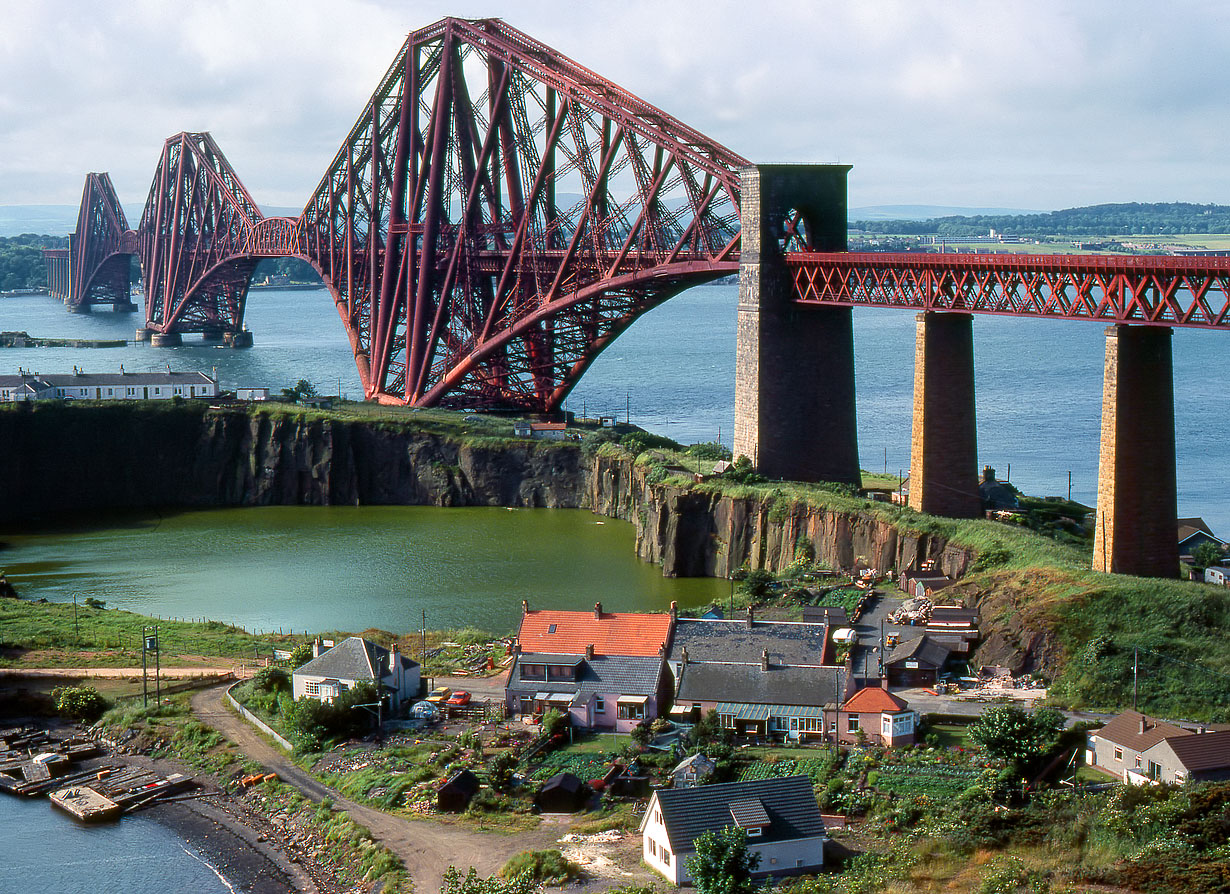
(562, 793)
(454, 794)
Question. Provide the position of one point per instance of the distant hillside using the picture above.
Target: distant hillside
(1131, 218)
(927, 212)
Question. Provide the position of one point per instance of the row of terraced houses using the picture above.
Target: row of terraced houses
(767, 680)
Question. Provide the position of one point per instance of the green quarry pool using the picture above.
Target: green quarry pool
(347, 568)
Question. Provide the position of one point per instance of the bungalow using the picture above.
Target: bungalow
(781, 817)
(881, 717)
(765, 700)
(1138, 748)
(331, 672)
(605, 669)
(916, 662)
(745, 641)
(1192, 533)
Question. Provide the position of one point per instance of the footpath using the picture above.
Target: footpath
(427, 849)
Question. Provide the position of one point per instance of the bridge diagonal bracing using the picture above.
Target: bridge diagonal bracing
(499, 213)
(1152, 290)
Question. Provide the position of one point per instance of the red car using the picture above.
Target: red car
(460, 697)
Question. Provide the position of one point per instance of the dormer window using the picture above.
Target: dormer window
(750, 816)
(551, 629)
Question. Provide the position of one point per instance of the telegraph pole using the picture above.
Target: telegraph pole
(1135, 675)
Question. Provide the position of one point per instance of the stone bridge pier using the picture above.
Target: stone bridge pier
(794, 367)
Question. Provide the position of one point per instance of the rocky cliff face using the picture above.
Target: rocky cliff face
(81, 460)
(695, 534)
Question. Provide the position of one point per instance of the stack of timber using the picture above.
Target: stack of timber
(32, 763)
(116, 792)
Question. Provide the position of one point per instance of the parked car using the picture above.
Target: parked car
(460, 697)
(439, 695)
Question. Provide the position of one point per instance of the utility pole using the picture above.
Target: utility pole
(1135, 675)
(1069, 485)
(628, 408)
(76, 629)
(423, 651)
(144, 677)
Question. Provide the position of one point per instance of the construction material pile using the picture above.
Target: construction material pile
(912, 611)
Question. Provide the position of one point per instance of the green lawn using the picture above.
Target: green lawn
(952, 735)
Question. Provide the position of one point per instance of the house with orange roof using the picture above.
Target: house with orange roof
(606, 670)
(881, 717)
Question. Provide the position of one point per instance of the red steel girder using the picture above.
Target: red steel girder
(201, 236)
(100, 251)
(499, 213)
(1152, 290)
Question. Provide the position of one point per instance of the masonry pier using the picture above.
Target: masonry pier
(944, 438)
(1137, 489)
(794, 374)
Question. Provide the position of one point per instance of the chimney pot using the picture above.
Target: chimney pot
(525, 606)
(589, 651)
(764, 660)
(597, 611)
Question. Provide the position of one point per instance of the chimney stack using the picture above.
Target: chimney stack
(1144, 724)
(316, 647)
(525, 606)
(764, 660)
(674, 610)
(684, 655)
(597, 611)
(589, 652)
(751, 617)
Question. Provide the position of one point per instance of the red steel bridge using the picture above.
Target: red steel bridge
(499, 214)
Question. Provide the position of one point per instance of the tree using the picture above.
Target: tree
(301, 655)
(501, 769)
(722, 864)
(1207, 554)
(303, 388)
(1017, 736)
(81, 703)
(756, 584)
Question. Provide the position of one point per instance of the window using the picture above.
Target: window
(852, 723)
(666, 857)
(653, 848)
(555, 672)
(1155, 770)
(1180, 777)
(551, 629)
(1118, 753)
(832, 726)
(533, 672)
(754, 832)
(727, 721)
(631, 712)
(311, 688)
(600, 706)
(1138, 762)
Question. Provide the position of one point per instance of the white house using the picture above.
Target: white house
(333, 671)
(79, 385)
(252, 392)
(781, 817)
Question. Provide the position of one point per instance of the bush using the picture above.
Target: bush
(547, 867)
(81, 703)
(310, 723)
(271, 679)
(640, 441)
(710, 451)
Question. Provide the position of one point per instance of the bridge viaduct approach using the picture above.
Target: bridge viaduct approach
(498, 214)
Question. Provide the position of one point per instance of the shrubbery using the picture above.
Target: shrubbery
(548, 867)
(310, 723)
(80, 703)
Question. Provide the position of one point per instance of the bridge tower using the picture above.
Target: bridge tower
(794, 368)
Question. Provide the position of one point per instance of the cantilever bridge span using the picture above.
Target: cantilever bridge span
(498, 214)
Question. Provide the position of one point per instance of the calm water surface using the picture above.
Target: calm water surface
(41, 849)
(349, 568)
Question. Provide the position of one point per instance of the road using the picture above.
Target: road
(426, 848)
(166, 672)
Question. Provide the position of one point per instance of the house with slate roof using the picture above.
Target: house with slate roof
(916, 662)
(333, 671)
(781, 818)
(1138, 749)
(766, 679)
(605, 669)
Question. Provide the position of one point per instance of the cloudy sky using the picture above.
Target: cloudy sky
(993, 104)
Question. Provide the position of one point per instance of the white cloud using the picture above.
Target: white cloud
(1046, 104)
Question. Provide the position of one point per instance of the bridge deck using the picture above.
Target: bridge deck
(1157, 290)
